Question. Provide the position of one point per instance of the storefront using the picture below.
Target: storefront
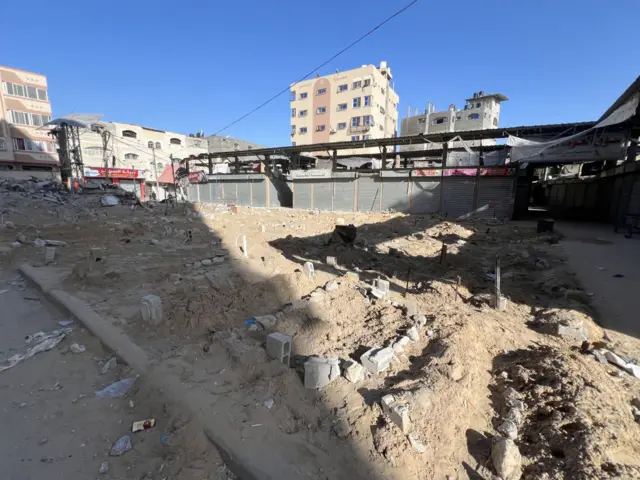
(128, 179)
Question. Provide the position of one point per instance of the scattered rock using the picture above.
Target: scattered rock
(320, 372)
(332, 285)
(77, 348)
(151, 308)
(514, 415)
(104, 468)
(332, 261)
(377, 360)
(353, 371)
(401, 343)
(413, 334)
(122, 446)
(341, 428)
(268, 404)
(109, 364)
(410, 309)
(421, 320)
(207, 262)
(506, 458)
(542, 264)
(267, 321)
(309, 270)
(509, 429)
(417, 445)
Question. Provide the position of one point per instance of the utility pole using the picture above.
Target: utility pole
(155, 170)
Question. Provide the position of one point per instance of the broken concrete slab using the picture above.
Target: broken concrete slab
(573, 330)
(320, 372)
(377, 360)
(353, 371)
(279, 347)
(397, 411)
(267, 321)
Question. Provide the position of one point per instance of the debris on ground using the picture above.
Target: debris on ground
(37, 343)
(122, 446)
(117, 389)
(141, 425)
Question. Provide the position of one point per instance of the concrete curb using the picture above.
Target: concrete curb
(242, 463)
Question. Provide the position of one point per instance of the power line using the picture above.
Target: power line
(319, 66)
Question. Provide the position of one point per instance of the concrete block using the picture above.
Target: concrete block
(320, 372)
(400, 344)
(332, 261)
(308, 270)
(49, 255)
(353, 276)
(499, 303)
(151, 309)
(279, 347)
(353, 371)
(377, 360)
(572, 330)
(386, 402)
(381, 285)
(413, 334)
(399, 414)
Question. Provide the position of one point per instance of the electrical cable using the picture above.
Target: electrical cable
(318, 67)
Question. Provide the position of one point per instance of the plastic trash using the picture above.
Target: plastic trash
(38, 342)
(109, 201)
(65, 323)
(77, 348)
(141, 425)
(117, 389)
(122, 446)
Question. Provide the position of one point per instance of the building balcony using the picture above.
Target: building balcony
(359, 128)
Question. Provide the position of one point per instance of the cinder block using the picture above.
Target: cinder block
(320, 372)
(49, 255)
(279, 347)
(377, 360)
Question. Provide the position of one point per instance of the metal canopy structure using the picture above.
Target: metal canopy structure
(383, 143)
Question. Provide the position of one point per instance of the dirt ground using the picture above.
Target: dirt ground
(575, 419)
(55, 427)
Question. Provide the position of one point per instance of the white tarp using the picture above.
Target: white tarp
(608, 146)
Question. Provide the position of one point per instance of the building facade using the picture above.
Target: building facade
(481, 112)
(225, 144)
(355, 105)
(138, 154)
(26, 149)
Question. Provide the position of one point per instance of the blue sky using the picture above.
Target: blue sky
(191, 65)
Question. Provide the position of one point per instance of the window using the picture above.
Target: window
(303, 95)
(321, 110)
(422, 121)
(150, 144)
(474, 116)
(175, 141)
(2, 144)
(293, 129)
(366, 137)
(158, 146)
(292, 96)
(355, 138)
(367, 82)
(303, 130)
(293, 113)
(130, 156)
(495, 121)
(159, 165)
(459, 117)
(368, 120)
(293, 144)
(382, 90)
(342, 125)
(438, 121)
(355, 121)
(26, 118)
(343, 88)
(303, 113)
(321, 91)
(357, 84)
(321, 128)
(26, 144)
(382, 110)
(342, 106)
(129, 133)
(17, 90)
(93, 151)
(478, 105)
(357, 102)
(367, 101)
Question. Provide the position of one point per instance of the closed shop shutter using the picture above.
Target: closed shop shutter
(302, 195)
(216, 193)
(259, 193)
(394, 194)
(615, 199)
(323, 195)
(425, 196)
(578, 199)
(244, 193)
(369, 193)
(204, 190)
(274, 199)
(229, 193)
(591, 196)
(495, 197)
(458, 196)
(128, 185)
(343, 192)
(192, 193)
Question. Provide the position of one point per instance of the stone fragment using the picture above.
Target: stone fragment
(122, 446)
(377, 360)
(386, 401)
(320, 372)
(111, 363)
(572, 329)
(341, 428)
(514, 415)
(401, 343)
(421, 320)
(506, 458)
(104, 468)
(411, 308)
(49, 255)
(353, 276)
(207, 262)
(332, 285)
(279, 347)
(413, 334)
(508, 429)
(267, 321)
(332, 261)
(308, 270)
(397, 411)
(151, 309)
(353, 371)
(417, 445)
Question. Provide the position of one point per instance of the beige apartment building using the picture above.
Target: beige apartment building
(25, 147)
(358, 104)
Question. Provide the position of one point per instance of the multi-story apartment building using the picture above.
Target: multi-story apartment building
(25, 147)
(136, 156)
(358, 104)
(481, 112)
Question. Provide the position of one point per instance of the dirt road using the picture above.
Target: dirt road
(54, 427)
